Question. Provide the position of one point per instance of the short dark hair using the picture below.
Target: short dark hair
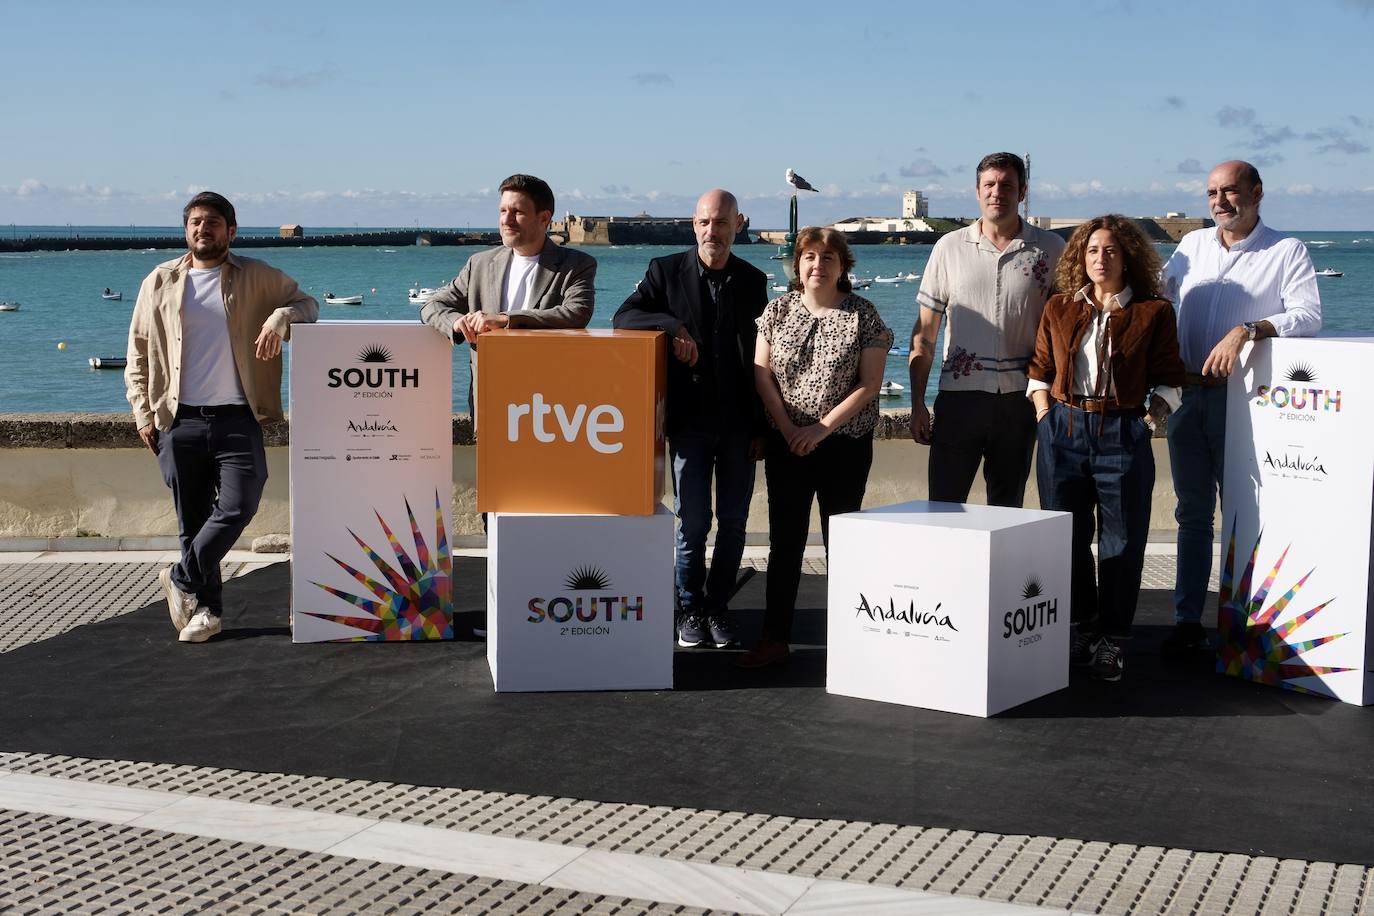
(826, 239)
(1005, 162)
(217, 202)
(537, 188)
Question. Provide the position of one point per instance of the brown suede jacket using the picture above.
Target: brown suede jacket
(1144, 347)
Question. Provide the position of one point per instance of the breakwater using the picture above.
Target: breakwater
(387, 238)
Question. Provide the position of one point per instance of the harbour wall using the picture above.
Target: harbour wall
(85, 480)
(631, 230)
(395, 238)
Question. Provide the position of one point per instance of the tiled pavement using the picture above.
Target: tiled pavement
(85, 836)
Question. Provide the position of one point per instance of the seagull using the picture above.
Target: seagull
(798, 182)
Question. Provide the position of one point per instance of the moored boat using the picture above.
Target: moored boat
(1330, 272)
(9, 306)
(107, 362)
(331, 299)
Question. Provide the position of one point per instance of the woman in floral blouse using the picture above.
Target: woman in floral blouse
(818, 364)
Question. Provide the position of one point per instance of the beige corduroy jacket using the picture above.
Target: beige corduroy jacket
(255, 295)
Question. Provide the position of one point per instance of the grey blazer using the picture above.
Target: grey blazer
(562, 296)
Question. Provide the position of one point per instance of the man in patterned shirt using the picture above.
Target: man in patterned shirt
(991, 279)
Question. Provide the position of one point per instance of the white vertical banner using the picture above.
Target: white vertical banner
(371, 482)
(1295, 539)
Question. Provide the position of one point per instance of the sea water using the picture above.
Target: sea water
(59, 292)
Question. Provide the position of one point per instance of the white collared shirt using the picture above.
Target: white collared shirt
(1085, 368)
(1266, 276)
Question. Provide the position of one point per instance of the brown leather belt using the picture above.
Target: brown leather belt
(1204, 381)
(1091, 405)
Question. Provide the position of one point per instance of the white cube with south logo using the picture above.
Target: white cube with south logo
(580, 602)
(959, 608)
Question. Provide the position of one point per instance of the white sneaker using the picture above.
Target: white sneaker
(202, 627)
(180, 605)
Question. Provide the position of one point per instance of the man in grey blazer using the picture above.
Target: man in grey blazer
(529, 282)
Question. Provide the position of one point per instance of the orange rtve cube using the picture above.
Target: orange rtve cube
(570, 422)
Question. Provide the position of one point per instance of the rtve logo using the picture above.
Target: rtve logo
(592, 423)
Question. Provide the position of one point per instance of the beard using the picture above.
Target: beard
(208, 250)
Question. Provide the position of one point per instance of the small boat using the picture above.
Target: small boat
(420, 296)
(1330, 272)
(107, 362)
(331, 299)
(891, 389)
(857, 282)
(9, 306)
(899, 351)
(897, 279)
(912, 276)
(112, 295)
(780, 287)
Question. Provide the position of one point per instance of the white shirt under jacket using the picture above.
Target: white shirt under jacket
(1266, 276)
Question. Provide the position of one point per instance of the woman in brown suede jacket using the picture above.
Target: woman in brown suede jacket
(1106, 347)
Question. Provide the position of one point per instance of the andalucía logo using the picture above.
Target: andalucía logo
(383, 376)
(1299, 399)
(586, 608)
(1295, 464)
(1032, 613)
(372, 426)
(908, 615)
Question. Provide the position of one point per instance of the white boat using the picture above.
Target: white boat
(107, 362)
(9, 306)
(897, 279)
(112, 295)
(331, 299)
(891, 390)
(420, 296)
(1330, 272)
(856, 282)
(780, 287)
(912, 276)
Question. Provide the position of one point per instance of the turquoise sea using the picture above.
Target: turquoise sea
(59, 294)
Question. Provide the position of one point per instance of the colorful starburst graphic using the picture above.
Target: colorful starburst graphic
(416, 600)
(1252, 645)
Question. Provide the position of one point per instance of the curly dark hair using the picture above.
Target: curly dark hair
(1140, 262)
(825, 238)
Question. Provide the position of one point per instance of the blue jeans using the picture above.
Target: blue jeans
(1197, 449)
(216, 468)
(1100, 469)
(696, 458)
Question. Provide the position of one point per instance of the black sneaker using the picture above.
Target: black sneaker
(1081, 648)
(691, 631)
(1187, 639)
(722, 631)
(1108, 662)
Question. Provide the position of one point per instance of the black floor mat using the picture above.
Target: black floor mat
(1171, 756)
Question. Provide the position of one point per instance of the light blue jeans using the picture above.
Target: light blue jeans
(696, 458)
(1197, 450)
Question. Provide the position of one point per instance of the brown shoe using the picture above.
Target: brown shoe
(766, 654)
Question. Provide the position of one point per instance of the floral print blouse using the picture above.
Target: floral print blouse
(816, 359)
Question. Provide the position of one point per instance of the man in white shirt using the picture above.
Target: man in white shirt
(991, 279)
(528, 282)
(204, 366)
(1238, 282)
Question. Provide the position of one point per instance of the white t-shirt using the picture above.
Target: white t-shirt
(208, 374)
(515, 291)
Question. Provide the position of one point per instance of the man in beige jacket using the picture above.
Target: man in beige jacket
(204, 367)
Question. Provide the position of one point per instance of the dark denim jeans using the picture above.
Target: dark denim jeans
(1197, 452)
(835, 476)
(696, 458)
(216, 468)
(976, 426)
(1102, 467)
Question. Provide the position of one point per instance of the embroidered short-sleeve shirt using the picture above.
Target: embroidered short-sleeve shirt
(992, 301)
(816, 358)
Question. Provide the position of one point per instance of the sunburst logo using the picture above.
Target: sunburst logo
(1032, 588)
(1301, 372)
(415, 601)
(1253, 645)
(587, 579)
(374, 353)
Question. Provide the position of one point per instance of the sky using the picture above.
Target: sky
(400, 114)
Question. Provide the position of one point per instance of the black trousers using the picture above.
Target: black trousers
(835, 475)
(214, 462)
(974, 426)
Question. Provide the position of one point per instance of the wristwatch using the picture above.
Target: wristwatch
(1250, 329)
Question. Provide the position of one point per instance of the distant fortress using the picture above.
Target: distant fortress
(631, 230)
